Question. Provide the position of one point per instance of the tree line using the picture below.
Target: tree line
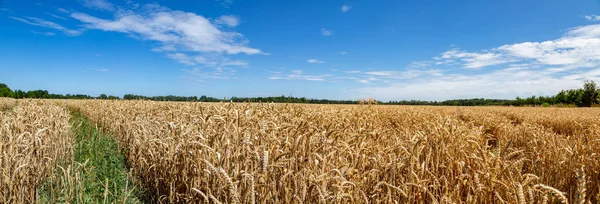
(583, 97)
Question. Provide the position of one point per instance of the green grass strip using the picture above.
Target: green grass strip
(97, 173)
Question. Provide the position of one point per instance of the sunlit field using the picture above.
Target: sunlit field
(189, 152)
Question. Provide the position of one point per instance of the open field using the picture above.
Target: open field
(184, 152)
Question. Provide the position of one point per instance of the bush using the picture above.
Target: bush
(545, 104)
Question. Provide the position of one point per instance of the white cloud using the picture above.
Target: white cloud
(55, 16)
(345, 8)
(504, 84)
(202, 75)
(474, 60)
(592, 18)
(99, 4)
(182, 58)
(578, 48)
(172, 29)
(343, 53)
(44, 33)
(98, 55)
(299, 75)
(62, 10)
(528, 68)
(406, 74)
(225, 3)
(231, 21)
(326, 32)
(315, 61)
(48, 24)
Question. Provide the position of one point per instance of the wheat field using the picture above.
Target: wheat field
(288, 153)
(33, 135)
(187, 152)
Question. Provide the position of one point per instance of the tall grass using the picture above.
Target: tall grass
(95, 174)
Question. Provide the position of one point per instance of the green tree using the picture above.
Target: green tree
(103, 96)
(590, 94)
(5, 91)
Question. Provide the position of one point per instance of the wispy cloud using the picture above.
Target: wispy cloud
(315, 61)
(62, 10)
(99, 4)
(299, 75)
(202, 75)
(47, 24)
(98, 55)
(44, 33)
(345, 8)
(474, 60)
(99, 70)
(231, 21)
(55, 16)
(326, 32)
(592, 18)
(343, 53)
(182, 58)
(225, 3)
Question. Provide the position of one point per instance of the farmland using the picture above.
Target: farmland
(188, 152)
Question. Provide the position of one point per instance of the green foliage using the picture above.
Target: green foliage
(101, 151)
(545, 104)
(589, 95)
(4, 86)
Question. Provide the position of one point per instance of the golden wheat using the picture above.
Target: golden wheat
(195, 152)
(32, 137)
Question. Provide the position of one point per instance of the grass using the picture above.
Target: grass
(97, 172)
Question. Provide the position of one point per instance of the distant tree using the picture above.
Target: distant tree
(103, 96)
(590, 94)
(5, 91)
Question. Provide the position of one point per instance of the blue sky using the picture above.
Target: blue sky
(388, 50)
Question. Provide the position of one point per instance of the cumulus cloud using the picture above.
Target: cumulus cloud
(577, 48)
(172, 29)
(519, 69)
(315, 61)
(345, 8)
